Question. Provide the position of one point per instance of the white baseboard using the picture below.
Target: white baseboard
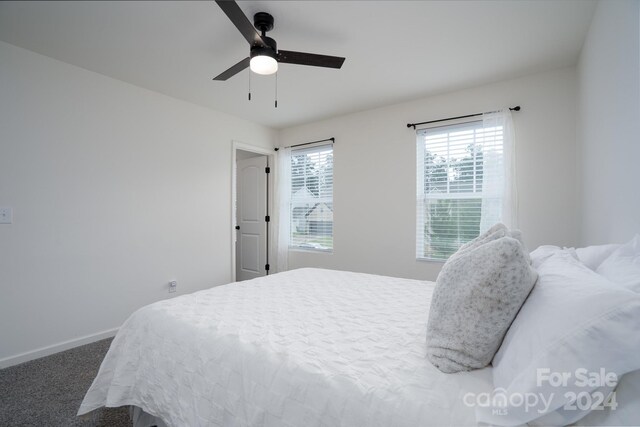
(55, 348)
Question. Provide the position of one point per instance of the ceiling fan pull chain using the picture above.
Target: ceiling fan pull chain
(276, 103)
(249, 85)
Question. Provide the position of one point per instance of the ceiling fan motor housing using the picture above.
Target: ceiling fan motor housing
(266, 51)
(263, 22)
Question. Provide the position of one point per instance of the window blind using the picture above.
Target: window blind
(312, 198)
(460, 185)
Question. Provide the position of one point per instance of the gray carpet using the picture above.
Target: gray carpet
(48, 391)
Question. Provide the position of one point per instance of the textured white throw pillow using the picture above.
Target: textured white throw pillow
(497, 231)
(573, 319)
(478, 293)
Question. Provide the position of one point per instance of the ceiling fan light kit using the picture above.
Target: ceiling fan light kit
(264, 59)
(264, 55)
(263, 64)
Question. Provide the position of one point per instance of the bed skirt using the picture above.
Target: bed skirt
(142, 419)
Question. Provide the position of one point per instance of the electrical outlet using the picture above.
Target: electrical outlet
(173, 285)
(6, 215)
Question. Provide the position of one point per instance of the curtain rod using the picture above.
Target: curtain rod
(516, 108)
(332, 139)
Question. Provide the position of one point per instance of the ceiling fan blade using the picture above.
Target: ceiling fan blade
(242, 23)
(233, 70)
(312, 59)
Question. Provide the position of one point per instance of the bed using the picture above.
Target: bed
(315, 347)
(308, 347)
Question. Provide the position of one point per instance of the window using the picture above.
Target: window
(312, 198)
(460, 185)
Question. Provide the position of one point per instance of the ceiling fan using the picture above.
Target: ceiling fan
(264, 55)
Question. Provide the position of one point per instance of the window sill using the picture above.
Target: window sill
(432, 260)
(310, 250)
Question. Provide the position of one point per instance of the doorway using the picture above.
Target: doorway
(250, 216)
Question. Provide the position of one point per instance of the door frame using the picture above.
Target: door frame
(271, 157)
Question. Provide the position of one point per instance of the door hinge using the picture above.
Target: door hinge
(266, 267)
(267, 170)
(267, 218)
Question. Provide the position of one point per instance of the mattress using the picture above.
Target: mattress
(306, 347)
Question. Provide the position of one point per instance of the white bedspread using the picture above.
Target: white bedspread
(308, 347)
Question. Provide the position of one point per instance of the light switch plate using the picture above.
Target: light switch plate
(173, 285)
(6, 215)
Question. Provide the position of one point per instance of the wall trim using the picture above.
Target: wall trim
(56, 348)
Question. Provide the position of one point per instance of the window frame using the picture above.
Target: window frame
(320, 147)
(422, 196)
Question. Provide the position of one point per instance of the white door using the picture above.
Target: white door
(251, 208)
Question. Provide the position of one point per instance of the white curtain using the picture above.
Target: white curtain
(280, 229)
(500, 197)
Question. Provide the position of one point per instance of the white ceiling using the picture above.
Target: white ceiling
(395, 50)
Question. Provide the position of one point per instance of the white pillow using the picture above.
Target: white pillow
(592, 256)
(623, 265)
(627, 409)
(573, 318)
(542, 253)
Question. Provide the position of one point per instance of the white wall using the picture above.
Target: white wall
(609, 124)
(116, 190)
(375, 172)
